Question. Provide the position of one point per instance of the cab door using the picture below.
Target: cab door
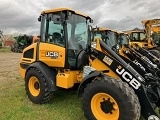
(51, 54)
(52, 45)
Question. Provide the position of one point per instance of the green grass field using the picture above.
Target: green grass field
(14, 104)
(5, 49)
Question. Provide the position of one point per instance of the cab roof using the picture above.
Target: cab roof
(136, 31)
(120, 32)
(152, 21)
(64, 9)
(105, 29)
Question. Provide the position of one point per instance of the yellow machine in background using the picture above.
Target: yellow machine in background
(123, 38)
(111, 37)
(139, 37)
(152, 29)
(147, 38)
(107, 35)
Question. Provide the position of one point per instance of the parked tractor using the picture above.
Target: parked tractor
(21, 42)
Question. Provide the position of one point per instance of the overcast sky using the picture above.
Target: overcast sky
(21, 15)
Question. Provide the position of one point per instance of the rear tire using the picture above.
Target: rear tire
(110, 99)
(36, 87)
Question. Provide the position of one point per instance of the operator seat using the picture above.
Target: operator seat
(57, 38)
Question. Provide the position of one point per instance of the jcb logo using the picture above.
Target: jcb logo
(52, 54)
(128, 77)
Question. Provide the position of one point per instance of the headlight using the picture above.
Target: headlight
(94, 45)
(117, 47)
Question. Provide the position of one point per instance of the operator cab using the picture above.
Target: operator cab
(122, 39)
(109, 37)
(137, 36)
(156, 38)
(65, 33)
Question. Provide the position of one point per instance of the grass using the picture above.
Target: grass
(5, 49)
(15, 105)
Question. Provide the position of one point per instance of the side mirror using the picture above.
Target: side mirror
(39, 19)
(90, 20)
(90, 28)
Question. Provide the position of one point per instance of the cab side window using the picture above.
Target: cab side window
(54, 31)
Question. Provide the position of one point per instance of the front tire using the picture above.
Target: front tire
(110, 99)
(36, 87)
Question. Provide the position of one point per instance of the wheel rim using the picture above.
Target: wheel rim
(34, 86)
(104, 107)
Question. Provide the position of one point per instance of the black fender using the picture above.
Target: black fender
(48, 72)
(87, 80)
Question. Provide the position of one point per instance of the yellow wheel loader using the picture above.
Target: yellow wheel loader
(152, 30)
(139, 37)
(122, 38)
(120, 43)
(112, 38)
(107, 35)
(110, 88)
(139, 58)
(149, 38)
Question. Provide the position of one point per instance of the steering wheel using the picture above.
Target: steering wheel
(56, 35)
(81, 42)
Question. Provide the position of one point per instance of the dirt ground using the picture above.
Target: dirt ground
(9, 67)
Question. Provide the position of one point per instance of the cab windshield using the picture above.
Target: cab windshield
(122, 39)
(137, 36)
(109, 37)
(112, 38)
(58, 28)
(52, 30)
(77, 30)
(156, 38)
